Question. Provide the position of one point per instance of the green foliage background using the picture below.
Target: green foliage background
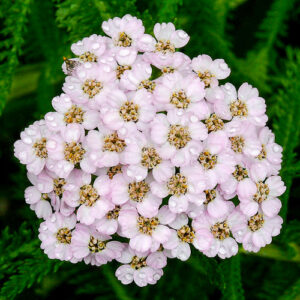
(258, 39)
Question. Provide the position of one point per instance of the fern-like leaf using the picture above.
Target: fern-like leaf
(15, 20)
(230, 270)
(286, 122)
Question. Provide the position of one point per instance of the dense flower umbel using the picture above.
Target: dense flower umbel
(143, 154)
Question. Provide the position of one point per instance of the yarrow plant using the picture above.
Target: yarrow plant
(139, 168)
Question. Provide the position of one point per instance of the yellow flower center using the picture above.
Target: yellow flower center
(210, 196)
(263, 153)
(74, 115)
(74, 152)
(124, 40)
(113, 143)
(238, 108)
(179, 136)
(207, 160)
(177, 185)
(220, 230)
(129, 111)
(150, 158)
(237, 143)
(147, 225)
(58, 186)
(206, 77)
(64, 235)
(138, 190)
(262, 192)
(92, 87)
(88, 57)
(180, 100)
(112, 171)
(240, 173)
(96, 245)
(120, 70)
(88, 195)
(138, 262)
(40, 148)
(164, 47)
(214, 123)
(186, 234)
(256, 222)
(113, 214)
(148, 85)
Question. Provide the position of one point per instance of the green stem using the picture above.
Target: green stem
(274, 252)
(115, 284)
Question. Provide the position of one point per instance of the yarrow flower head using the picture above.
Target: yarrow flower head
(148, 154)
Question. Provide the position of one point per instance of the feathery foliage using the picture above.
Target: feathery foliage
(231, 274)
(14, 19)
(286, 122)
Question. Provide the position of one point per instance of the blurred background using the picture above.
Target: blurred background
(260, 42)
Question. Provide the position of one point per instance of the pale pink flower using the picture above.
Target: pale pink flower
(149, 160)
(94, 248)
(108, 148)
(138, 78)
(216, 159)
(238, 180)
(181, 236)
(61, 206)
(121, 109)
(31, 148)
(107, 174)
(144, 233)
(56, 234)
(137, 193)
(65, 151)
(67, 112)
(214, 203)
(125, 34)
(210, 71)
(91, 198)
(212, 236)
(51, 188)
(109, 224)
(167, 40)
(166, 32)
(48, 181)
(262, 195)
(178, 138)
(244, 103)
(119, 66)
(179, 92)
(39, 202)
(90, 84)
(174, 62)
(268, 161)
(157, 260)
(243, 139)
(254, 232)
(90, 49)
(184, 187)
(143, 269)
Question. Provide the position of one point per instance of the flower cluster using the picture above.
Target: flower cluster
(137, 168)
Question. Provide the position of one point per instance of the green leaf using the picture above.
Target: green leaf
(115, 284)
(15, 21)
(292, 293)
(230, 269)
(286, 122)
